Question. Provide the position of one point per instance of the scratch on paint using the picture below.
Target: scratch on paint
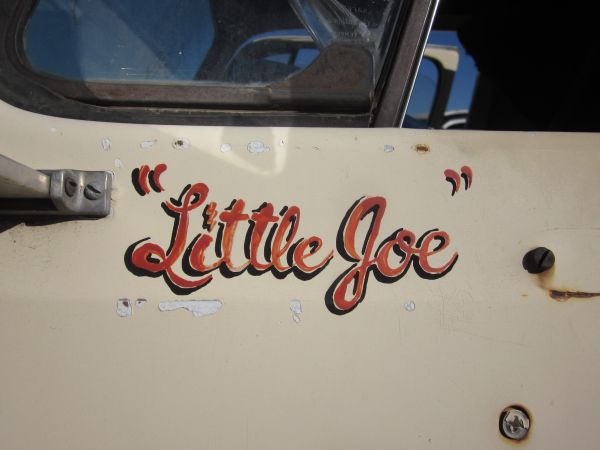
(123, 307)
(296, 308)
(147, 144)
(257, 147)
(198, 308)
(105, 143)
(410, 306)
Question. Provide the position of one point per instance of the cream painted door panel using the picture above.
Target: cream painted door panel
(110, 337)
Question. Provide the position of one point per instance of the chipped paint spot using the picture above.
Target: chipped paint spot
(410, 306)
(123, 307)
(147, 144)
(296, 308)
(181, 144)
(388, 148)
(198, 308)
(422, 148)
(281, 142)
(140, 302)
(225, 148)
(105, 143)
(257, 147)
(118, 163)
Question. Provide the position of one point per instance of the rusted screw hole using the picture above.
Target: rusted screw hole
(180, 144)
(514, 423)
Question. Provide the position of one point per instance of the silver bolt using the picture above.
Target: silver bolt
(514, 423)
(92, 192)
(71, 187)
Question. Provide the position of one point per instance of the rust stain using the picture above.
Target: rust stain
(422, 148)
(545, 281)
(563, 296)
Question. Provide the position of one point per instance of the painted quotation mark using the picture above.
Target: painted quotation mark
(143, 178)
(454, 178)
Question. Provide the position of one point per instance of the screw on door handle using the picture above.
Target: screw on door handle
(92, 191)
(70, 187)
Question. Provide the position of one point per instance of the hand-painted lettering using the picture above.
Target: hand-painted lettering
(271, 245)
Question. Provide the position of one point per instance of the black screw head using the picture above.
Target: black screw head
(71, 187)
(538, 260)
(92, 192)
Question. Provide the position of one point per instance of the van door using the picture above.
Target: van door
(270, 272)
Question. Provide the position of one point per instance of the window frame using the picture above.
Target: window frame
(167, 103)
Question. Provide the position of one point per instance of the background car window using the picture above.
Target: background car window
(524, 66)
(427, 87)
(421, 100)
(466, 74)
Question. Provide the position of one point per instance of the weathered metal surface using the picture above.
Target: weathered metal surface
(412, 365)
(19, 181)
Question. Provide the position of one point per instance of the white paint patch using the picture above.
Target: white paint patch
(123, 307)
(225, 148)
(147, 144)
(257, 147)
(118, 163)
(410, 306)
(388, 148)
(181, 144)
(53, 130)
(296, 308)
(198, 308)
(105, 143)
(281, 142)
(140, 302)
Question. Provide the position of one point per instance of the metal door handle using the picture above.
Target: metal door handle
(64, 192)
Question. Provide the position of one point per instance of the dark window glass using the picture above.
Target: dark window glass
(201, 41)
